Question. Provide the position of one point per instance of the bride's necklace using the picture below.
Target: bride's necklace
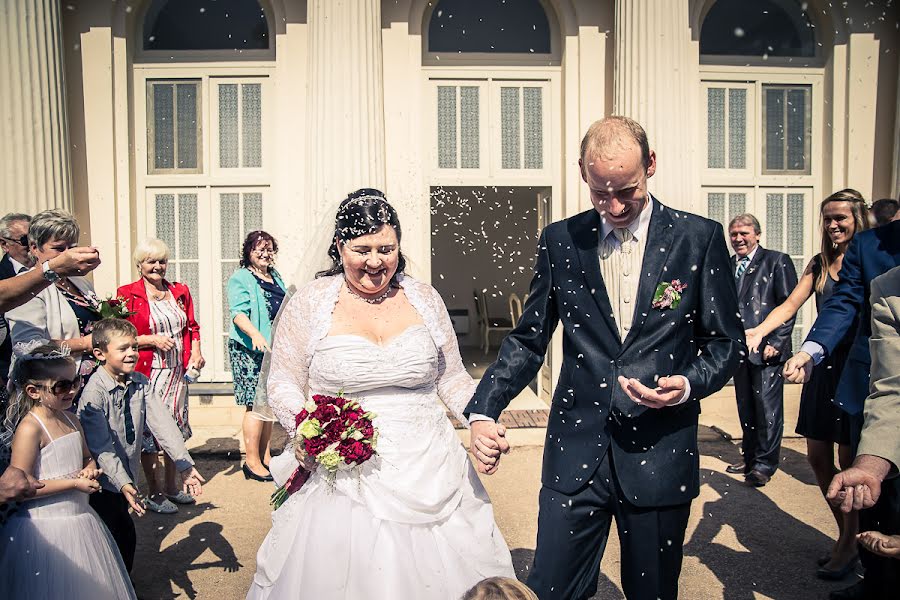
(376, 300)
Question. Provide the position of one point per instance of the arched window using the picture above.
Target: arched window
(758, 28)
(489, 26)
(204, 25)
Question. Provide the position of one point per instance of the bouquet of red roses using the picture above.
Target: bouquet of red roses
(336, 433)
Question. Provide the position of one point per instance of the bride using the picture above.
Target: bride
(414, 521)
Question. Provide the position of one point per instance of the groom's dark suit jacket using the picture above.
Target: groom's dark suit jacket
(654, 450)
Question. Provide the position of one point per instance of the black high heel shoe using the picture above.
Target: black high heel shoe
(248, 474)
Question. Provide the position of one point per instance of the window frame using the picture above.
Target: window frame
(490, 171)
(807, 126)
(207, 184)
(151, 126)
(757, 184)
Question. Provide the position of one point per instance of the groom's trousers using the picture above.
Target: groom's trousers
(572, 534)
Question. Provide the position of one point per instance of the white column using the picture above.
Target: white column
(34, 148)
(345, 143)
(656, 84)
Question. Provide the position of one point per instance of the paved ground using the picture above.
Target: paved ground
(741, 542)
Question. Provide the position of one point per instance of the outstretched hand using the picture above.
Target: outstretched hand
(668, 391)
(488, 443)
(192, 482)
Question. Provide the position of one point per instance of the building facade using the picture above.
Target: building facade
(197, 121)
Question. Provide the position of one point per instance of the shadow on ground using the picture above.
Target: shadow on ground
(175, 561)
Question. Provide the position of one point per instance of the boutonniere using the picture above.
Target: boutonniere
(668, 294)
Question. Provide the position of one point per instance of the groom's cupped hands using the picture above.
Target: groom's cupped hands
(488, 443)
(668, 392)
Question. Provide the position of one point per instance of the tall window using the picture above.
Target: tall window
(207, 132)
(763, 144)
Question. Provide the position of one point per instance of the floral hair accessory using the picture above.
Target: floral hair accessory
(668, 294)
(23, 350)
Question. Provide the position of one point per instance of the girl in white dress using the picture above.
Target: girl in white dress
(414, 521)
(55, 546)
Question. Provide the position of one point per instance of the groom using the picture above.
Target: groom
(648, 307)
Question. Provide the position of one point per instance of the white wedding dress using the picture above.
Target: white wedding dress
(414, 522)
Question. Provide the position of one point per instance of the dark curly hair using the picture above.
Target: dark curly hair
(363, 212)
(253, 239)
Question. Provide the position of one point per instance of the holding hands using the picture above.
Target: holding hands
(859, 486)
(488, 443)
(17, 485)
(754, 339)
(798, 368)
(668, 392)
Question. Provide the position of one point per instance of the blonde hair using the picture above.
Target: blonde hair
(614, 131)
(150, 248)
(500, 588)
(830, 252)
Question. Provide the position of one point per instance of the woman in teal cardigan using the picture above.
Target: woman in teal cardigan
(255, 293)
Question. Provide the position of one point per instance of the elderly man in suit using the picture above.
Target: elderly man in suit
(16, 259)
(877, 462)
(764, 278)
(870, 254)
(646, 301)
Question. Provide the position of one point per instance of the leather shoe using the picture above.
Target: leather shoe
(836, 574)
(857, 591)
(737, 468)
(756, 478)
(248, 474)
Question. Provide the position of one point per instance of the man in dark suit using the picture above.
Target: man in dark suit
(870, 254)
(14, 243)
(765, 278)
(647, 304)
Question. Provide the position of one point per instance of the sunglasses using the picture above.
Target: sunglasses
(65, 386)
(22, 241)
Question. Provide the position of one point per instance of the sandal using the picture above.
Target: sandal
(181, 498)
(164, 508)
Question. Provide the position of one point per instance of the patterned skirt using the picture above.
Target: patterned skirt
(168, 386)
(245, 366)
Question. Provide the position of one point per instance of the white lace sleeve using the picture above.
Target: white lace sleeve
(305, 320)
(455, 386)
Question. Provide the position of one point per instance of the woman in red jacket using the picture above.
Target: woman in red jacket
(169, 343)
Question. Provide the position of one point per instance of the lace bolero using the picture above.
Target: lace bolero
(306, 319)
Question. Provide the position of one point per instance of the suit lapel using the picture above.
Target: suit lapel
(586, 236)
(751, 269)
(659, 236)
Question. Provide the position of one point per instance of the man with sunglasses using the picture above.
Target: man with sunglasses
(14, 242)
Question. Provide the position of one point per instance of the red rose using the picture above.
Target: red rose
(325, 413)
(301, 416)
(354, 451)
(333, 431)
(315, 446)
(115, 302)
(366, 429)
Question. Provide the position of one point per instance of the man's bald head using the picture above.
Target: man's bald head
(608, 137)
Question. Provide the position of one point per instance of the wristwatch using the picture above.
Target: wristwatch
(49, 274)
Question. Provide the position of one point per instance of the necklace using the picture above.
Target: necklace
(376, 300)
(156, 295)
